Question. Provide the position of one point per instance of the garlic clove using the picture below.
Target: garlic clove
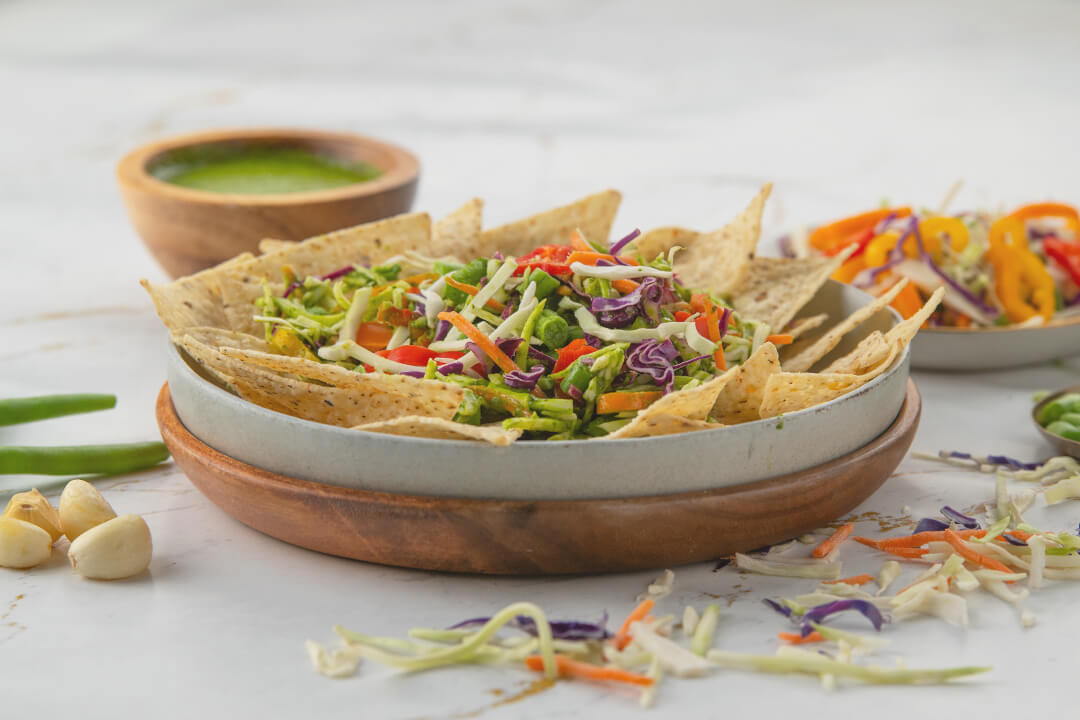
(81, 508)
(118, 548)
(23, 544)
(35, 508)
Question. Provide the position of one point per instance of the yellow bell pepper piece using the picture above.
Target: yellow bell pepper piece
(289, 343)
(931, 230)
(1021, 281)
(877, 251)
(847, 272)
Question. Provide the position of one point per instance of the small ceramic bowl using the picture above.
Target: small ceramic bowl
(1066, 446)
(187, 230)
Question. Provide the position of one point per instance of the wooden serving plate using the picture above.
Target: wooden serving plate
(513, 537)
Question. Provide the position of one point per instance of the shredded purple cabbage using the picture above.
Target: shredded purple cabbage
(522, 380)
(778, 607)
(541, 356)
(560, 629)
(618, 245)
(820, 612)
(684, 363)
(340, 272)
(958, 455)
(960, 518)
(621, 311)
(442, 330)
(930, 525)
(593, 341)
(413, 373)
(1012, 463)
(654, 358)
(967, 294)
(1013, 540)
(617, 318)
(725, 319)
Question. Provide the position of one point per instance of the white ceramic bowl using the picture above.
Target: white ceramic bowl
(994, 348)
(540, 470)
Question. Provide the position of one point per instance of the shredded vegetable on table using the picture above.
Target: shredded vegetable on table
(562, 343)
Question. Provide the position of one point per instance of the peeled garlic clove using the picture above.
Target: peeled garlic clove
(35, 508)
(23, 544)
(115, 549)
(81, 508)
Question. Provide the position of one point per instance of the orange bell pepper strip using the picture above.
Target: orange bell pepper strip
(1041, 210)
(490, 348)
(850, 269)
(373, 335)
(780, 340)
(614, 402)
(574, 668)
(835, 236)
(907, 302)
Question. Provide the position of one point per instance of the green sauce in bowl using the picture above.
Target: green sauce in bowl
(258, 170)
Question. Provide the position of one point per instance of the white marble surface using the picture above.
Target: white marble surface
(686, 107)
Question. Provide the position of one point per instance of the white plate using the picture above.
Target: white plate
(994, 348)
(540, 470)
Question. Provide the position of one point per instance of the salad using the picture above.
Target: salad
(1017, 269)
(566, 341)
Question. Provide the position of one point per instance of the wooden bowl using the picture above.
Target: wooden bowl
(538, 537)
(187, 230)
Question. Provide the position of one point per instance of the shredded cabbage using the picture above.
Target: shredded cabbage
(817, 664)
(618, 272)
(828, 570)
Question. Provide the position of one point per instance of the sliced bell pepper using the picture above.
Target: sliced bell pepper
(373, 335)
(931, 230)
(589, 257)
(571, 352)
(907, 302)
(1021, 281)
(878, 250)
(614, 402)
(1041, 210)
(289, 343)
(835, 236)
(1065, 254)
(417, 355)
(847, 272)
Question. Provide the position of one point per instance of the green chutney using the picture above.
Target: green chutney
(256, 170)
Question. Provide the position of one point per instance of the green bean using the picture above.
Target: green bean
(552, 329)
(471, 274)
(81, 459)
(1064, 429)
(538, 424)
(578, 377)
(522, 357)
(43, 407)
(545, 284)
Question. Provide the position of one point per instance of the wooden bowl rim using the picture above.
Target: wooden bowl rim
(131, 171)
(172, 427)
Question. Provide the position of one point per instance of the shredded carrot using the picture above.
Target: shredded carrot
(842, 533)
(797, 639)
(614, 402)
(953, 538)
(712, 321)
(622, 637)
(468, 289)
(780, 339)
(625, 285)
(421, 277)
(905, 552)
(853, 580)
(574, 668)
(578, 242)
(490, 348)
(918, 539)
(869, 542)
(589, 257)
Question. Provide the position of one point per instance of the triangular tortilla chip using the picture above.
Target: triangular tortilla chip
(657, 425)
(800, 357)
(871, 353)
(902, 333)
(218, 338)
(773, 290)
(800, 326)
(194, 300)
(790, 392)
(691, 404)
(367, 244)
(715, 260)
(429, 398)
(343, 407)
(593, 215)
(456, 235)
(740, 400)
(269, 245)
(427, 427)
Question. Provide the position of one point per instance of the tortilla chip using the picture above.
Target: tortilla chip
(869, 355)
(657, 425)
(773, 290)
(194, 300)
(716, 260)
(800, 357)
(788, 392)
(902, 333)
(740, 400)
(689, 404)
(343, 407)
(593, 215)
(428, 398)
(456, 234)
(800, 326)
(427, 427)
(364, 244)
(216, 337)
(269, 245)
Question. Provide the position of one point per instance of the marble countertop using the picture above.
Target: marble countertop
(685, 107)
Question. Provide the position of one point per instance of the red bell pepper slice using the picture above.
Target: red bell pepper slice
(1065, 254)
(572, 352)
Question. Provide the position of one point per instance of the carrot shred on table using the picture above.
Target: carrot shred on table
(622, 637)
(869, 542)
(574, 668)
(953, 538)
(797, 639)
(490, 348)
(910, 541)
(833, 541)
(905, 552)
(853, 580)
